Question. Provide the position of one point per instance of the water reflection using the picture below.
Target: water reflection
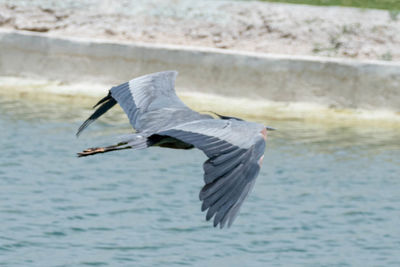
(327, 137)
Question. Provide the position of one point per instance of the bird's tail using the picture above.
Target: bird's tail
(134, 142)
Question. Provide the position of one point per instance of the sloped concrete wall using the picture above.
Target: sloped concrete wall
(334, 82)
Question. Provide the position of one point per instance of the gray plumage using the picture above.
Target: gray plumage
(234, 147)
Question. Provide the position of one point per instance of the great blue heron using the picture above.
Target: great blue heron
(235, 148)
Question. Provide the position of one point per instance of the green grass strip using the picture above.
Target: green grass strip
(377, 4)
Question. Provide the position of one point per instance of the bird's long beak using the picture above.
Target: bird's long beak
(270, 128)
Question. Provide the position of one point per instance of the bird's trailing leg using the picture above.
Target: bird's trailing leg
(133, 141)
(96, 150)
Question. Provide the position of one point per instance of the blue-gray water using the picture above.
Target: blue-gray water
(326, 196)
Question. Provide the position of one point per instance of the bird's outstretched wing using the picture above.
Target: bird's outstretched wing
(147, 100)
(235, 150)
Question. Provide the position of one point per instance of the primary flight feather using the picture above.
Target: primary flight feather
(235, 148)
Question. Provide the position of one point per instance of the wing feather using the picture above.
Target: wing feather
(212, 172)
(149, 93)
(234, 149)
(149, 102)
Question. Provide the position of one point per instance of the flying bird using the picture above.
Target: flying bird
(234, 147)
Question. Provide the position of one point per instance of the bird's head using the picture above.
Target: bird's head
(264, 131)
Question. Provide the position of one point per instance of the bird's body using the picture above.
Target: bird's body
(235, 148)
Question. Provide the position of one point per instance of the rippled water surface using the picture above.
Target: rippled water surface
(326, 196)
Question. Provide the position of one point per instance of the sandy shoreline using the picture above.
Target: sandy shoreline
(333, 82)
(81, 94)
(247, 26)
(104, 42)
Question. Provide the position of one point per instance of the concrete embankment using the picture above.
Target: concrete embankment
(337, 83)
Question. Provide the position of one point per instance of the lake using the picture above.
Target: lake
(327, 195)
